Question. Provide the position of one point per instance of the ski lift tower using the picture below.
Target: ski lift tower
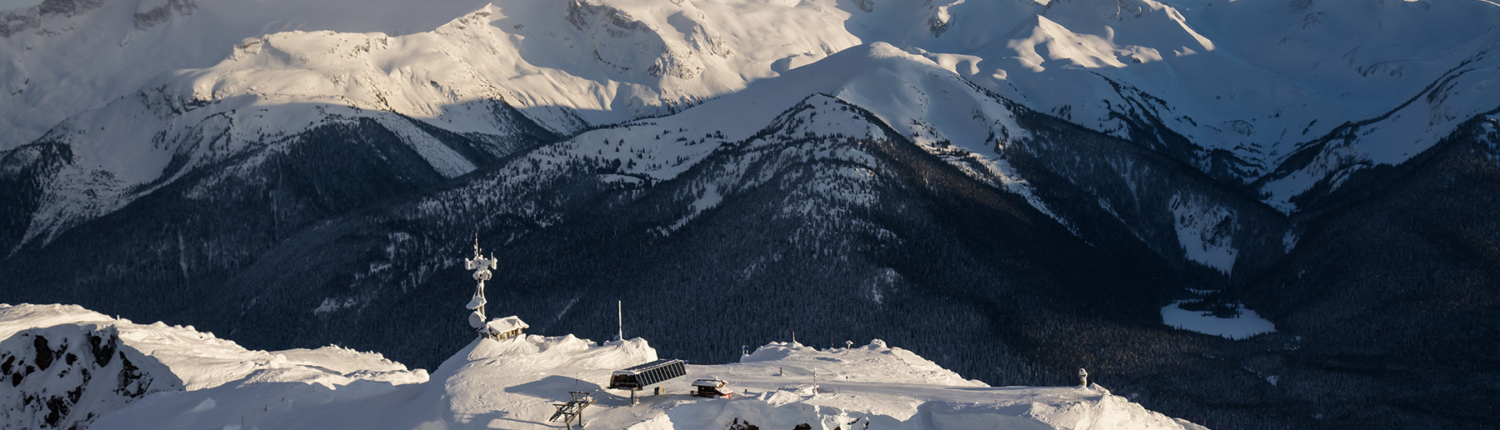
(573, 409)
(481, 267)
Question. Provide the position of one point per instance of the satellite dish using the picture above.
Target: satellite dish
(476, 320)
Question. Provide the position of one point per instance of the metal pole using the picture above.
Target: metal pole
(620, 319)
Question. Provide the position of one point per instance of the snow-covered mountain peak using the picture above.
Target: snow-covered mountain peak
(151, 13)
(1125, 68)
(910, 93)
(568, 64)
(1105, 36)
(64, 57)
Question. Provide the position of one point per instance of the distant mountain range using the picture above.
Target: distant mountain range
(1012, 189)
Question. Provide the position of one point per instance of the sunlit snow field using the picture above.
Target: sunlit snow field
(1248, 324)
(192, 379)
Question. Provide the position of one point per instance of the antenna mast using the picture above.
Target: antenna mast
(481, 267)
(620, 319)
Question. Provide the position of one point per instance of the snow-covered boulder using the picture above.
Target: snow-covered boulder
(65, 376)
(69, 366)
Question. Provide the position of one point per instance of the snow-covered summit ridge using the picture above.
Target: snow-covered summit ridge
(876, 361)
(859, 93)
(913, 96)
(618, 59)
(575, 63)
(66, 56)
(512, 384)
(203, 360)
(567, 65)
(1238, 90)
(64, 376)
(147, 359)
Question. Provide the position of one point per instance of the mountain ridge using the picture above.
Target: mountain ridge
(514, 381)
(1045, 182)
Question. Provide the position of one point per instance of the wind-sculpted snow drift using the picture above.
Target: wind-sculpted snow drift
(69, 365)
(512, 384)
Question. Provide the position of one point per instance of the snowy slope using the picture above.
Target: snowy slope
(65, 376)
(152, 358)
(1249, 104)
(1237, 89)
(512, 384)
(560, 61)
(1431, 114)
(67, 56)
(134, 146)
(573, 63)
(933, 108)
(877, 78)
(467, 77)
(1252, 80)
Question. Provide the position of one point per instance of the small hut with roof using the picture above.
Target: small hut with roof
(504, 328)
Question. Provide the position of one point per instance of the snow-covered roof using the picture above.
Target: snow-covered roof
(640, 368)
(502, 325)
(711, 383)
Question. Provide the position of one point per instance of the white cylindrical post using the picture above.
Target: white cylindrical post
(620, 319)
